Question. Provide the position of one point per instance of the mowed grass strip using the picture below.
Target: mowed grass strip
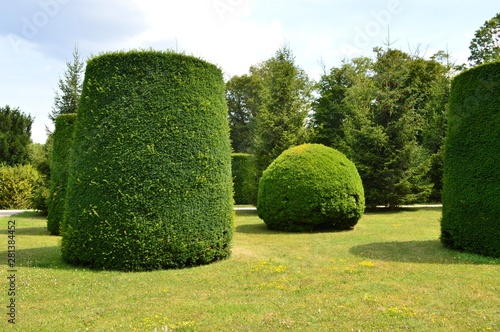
(389, 273)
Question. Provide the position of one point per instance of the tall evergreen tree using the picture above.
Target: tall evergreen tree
(285, 92)
(397, 175)
(70, 88)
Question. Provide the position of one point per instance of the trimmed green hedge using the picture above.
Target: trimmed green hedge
(245, 180)
(311, 187)
(150, 177)
(471, 189)
(63, 138)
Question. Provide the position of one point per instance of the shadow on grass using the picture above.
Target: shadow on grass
(25, 215)
(31, 231)
(426, 252)
(43, 257)
(383, 210)
(261, 228)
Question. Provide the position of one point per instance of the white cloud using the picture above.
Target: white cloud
(225, 36)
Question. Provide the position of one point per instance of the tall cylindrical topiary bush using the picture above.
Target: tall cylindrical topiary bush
(63, 137)
(311, 187)
(150, 177)
(471, 188)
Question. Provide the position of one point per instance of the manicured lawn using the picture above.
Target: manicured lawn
(389, 273)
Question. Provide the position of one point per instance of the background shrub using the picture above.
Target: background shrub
(63, 138)
(245, 180)
(310, 187)
(40, 155)
(150, 173)
(17, 184)
(471, 189)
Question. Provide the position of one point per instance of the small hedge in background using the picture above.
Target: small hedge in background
(150, 173)
(63, 138)
(17, 185)
(40, 155)
(245, 180)
(311, 187)
(471, 189)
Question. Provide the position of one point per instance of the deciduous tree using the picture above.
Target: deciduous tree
(243, 99)
(15, 136)
(485, 46)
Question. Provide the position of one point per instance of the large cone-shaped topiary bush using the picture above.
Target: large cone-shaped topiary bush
(471, 188)
(311, 187)
(150, 176)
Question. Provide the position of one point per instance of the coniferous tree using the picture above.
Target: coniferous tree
(388, 116)
(350, 81)
(285, 92)
(70, 88)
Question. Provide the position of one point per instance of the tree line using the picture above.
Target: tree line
(386, 112)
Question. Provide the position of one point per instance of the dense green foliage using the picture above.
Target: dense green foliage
(388, 116)
(63, 138)
(15, 136)
(285, 92)
(70, 88)
(245, 181)
(150, 173)
(243, 101)
(17, 185)
(471, 193)
(268, 108)
(485, 46)
(310, 187)
(40, 155)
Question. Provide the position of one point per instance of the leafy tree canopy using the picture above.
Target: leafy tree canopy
(485, 46)
(285, 92)
(15, 136)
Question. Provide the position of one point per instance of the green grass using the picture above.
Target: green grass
(389, 273)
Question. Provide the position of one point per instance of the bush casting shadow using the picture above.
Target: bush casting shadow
(389, 210)
(261, 227)
(43, 257)
(31, 231)
(426, 252)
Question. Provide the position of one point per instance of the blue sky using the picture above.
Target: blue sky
(37, 37)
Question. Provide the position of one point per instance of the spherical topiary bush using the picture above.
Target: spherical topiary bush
(63, 137)
(150, 174)
(311, 187)
(471, 185)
